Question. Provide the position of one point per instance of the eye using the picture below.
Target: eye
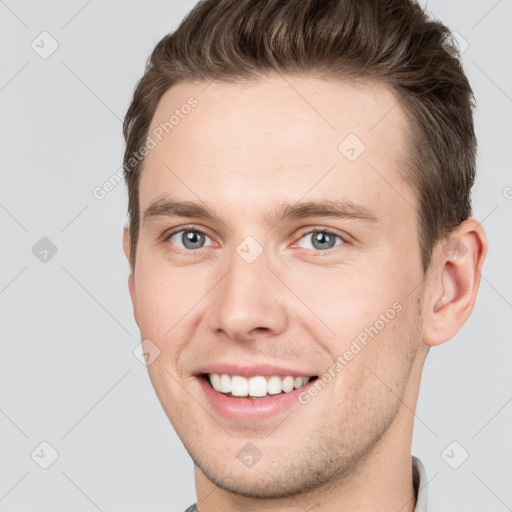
(189, 238)
(322, 240)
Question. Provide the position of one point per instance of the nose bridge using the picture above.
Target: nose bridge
(248, 297)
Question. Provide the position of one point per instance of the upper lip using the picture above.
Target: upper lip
(264, 370)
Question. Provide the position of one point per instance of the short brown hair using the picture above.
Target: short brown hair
(393, 42)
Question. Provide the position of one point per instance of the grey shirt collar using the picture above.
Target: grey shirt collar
(419, 479)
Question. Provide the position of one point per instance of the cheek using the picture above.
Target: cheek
(371, 317)
(166, 296)
(378, 358)
(347, 300)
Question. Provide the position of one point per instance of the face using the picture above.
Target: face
(302, 261)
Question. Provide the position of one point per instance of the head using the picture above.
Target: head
(261, 127)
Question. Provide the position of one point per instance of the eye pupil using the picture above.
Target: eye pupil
(192, 239)
(322, 240)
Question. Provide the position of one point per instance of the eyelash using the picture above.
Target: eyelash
(167, 236)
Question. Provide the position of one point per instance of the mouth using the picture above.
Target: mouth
(256, 387)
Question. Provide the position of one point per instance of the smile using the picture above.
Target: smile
(252, 399)
(255, 387)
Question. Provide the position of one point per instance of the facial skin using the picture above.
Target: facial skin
(240, 152)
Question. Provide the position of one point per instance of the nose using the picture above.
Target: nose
(249, 301)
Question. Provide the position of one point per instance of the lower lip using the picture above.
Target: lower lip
(248, 409)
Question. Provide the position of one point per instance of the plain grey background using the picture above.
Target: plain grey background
(69, 376)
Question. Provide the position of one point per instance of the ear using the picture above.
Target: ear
(454, 282)
(131, 277)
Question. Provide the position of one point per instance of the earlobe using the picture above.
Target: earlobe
(455, 282)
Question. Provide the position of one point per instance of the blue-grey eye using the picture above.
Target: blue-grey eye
(322, 240)
(189, 238)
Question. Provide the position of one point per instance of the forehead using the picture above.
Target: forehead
(282, 136)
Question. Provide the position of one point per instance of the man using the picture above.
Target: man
(299, 177)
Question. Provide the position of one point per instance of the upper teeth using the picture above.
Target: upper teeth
(255, 386)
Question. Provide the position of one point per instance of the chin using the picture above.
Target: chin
(268, 478)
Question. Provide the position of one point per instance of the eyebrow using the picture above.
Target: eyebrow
(282, 212)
